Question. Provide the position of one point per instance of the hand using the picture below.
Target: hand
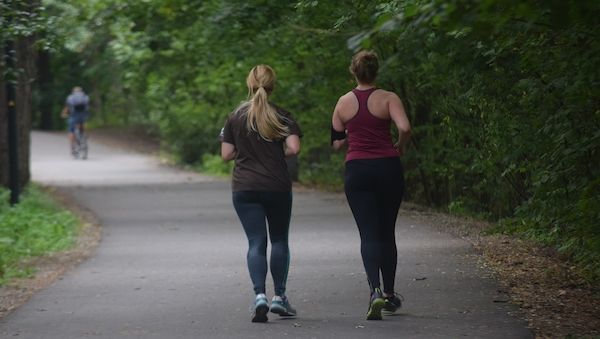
(64, 113)
(400, 148)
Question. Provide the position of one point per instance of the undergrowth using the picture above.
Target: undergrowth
(33, 227)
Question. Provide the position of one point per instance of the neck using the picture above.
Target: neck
(362, 87)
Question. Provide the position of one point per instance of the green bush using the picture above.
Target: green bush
(33, 227)
(502, 94)
(213, 164)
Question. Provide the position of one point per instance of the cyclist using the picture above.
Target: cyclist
(77, 110)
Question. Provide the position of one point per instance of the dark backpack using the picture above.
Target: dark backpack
(79, 108)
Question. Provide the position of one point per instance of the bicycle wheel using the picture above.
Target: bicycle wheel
(75, 149)
(83, 146)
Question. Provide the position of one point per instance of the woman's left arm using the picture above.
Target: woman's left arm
(292, 145)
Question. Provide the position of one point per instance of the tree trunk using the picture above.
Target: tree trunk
(26, 57)
(3, 129)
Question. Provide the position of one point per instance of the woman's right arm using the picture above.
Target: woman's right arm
(398, 115)
(338, 128)
(228, 151)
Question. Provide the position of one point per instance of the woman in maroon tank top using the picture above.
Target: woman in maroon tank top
(374, 178)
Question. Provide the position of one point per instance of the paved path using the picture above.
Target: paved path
(172, 265)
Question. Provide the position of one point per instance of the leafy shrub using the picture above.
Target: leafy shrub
(31, 228)
(213, 164)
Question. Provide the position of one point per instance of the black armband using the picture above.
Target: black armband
(335, 135)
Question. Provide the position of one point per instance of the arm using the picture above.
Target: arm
(228, 151)
(292, 145)
(65, 112)
(398, 115)
(338, 127)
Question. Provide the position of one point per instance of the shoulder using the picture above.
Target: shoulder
(283, 112)
(385, 93)
(387, 96)
(280, 109)
(240, 110)
(347, 99)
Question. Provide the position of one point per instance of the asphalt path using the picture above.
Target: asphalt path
(172, 264)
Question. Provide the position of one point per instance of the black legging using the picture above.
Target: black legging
(255, 209)
(374, 188)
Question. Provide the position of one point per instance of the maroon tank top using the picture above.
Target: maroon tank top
(368, 136)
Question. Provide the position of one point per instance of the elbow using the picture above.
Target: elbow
(407, 131)
(293, 150)
(227, 156)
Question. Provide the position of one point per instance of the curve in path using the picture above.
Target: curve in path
(172, 264)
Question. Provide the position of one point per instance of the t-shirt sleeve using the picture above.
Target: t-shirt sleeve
(228, 132)
(293, 125)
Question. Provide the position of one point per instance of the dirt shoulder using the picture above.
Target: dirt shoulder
(554, 299)
(50, 267)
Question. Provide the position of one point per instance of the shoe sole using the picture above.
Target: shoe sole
(260, 314)
(375, 310)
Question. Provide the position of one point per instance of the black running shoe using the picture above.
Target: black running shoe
(393, 303)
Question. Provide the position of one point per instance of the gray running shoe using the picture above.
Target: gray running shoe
(281, 306)
(260, 309)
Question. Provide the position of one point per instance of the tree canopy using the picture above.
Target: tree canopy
(503, 95)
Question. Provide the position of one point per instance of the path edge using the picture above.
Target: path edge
(53, 266)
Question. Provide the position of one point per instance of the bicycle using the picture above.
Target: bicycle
(80, 146)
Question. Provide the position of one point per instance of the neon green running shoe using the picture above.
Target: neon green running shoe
(376, 304)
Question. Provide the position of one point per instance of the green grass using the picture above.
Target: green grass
(34, 227)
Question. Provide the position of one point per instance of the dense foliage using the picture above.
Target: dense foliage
(503, 95)
(34, 227)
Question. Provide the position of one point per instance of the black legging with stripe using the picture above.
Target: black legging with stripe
(374, 188)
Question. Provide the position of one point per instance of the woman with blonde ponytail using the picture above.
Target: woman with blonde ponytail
(259, 135)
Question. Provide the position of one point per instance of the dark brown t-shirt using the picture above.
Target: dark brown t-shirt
(259, 164)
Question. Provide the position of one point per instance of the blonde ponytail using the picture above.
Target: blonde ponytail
(262, 117)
